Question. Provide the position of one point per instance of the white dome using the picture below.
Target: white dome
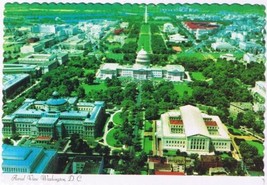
(142, 57)
(142, 52)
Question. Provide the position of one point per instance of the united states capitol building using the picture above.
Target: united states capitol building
(54, 118)
(141, 70)
(191, 131)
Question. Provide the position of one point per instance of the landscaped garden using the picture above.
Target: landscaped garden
(148, 126)
(97, 87)
(111, 141)
(147, 144)
(198, 76)
(145, 38)
(258, 145)
(117, 118)
(181, 88)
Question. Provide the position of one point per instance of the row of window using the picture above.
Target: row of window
(177, 142)
(15, 170)
(219, 144)
(23, 125)
(84, 108)
(213, 132)
(175, 145)
(197, 146)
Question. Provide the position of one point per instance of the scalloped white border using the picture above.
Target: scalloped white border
(135, 179)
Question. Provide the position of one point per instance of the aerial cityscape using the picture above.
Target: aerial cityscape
(133, 89)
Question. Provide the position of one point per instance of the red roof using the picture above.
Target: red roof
(118, 31)
(210, 123)
(44, 138)
(168, 173)
(201, 25)
(176, 122)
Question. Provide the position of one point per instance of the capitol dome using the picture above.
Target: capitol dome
(142, 58)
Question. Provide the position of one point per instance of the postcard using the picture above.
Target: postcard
(133, 92)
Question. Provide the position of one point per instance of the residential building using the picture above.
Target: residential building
(191, 131)
(56, 118)
(88, 165)
(141, 70)
(17, 159)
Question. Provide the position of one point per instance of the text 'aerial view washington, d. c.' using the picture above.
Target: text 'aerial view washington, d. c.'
(133, 89)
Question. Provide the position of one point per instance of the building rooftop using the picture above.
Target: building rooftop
(193, 121)
(11, 79)
(33, 158)
(47, 120)
(201, 25)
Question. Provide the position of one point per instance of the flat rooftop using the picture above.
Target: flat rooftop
(11, 79)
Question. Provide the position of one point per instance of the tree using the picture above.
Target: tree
(90, 77)
(81, 92)
(110, 125)
(248, 151)
(152, 112)
(7, 141)
(230, 163)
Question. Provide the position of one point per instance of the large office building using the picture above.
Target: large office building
(17, 159)
(46, 62)
(14, 83)
(32, 48)
(191, 131)
(141, 70)
(32, 70)
(55, 118)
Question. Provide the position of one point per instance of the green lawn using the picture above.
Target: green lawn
(113, 45)
(181, 88)
(110, 138)
(237, 131)
(97, 87)
(145, 38)
(256, 173)
(147, 145)
(190, 55)
(170, 153)
(128, 40)
(117, 118)
(115, 56)
(147, 125)
(198, 76)
(224, 155)
(259, 146)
